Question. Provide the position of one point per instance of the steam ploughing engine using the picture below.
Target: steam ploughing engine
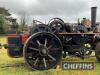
(45, 44)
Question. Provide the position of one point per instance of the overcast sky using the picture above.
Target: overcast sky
(42, 10)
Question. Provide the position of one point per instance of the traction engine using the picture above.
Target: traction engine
(45, 44)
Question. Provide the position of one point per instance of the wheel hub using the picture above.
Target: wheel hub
(43, 50)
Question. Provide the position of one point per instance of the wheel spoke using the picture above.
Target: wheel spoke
(44, 62)
(54, 30)
(36, 61)
(30, 58)
(45, 42)
(52, 57)
(55, 49)
(38, 42)
(33, 48)
(50, 47)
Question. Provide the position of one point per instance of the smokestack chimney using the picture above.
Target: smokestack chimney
(93, 17)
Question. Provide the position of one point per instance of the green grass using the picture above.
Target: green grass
(3, 39)
(17, 66)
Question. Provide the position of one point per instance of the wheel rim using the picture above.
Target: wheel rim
(42, 51)
(56, 25)
(97, 51)
(40, 28)
(53, 19)
(97, 54)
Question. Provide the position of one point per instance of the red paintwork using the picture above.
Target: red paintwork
(24, 38)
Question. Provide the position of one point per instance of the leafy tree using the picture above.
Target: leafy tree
(1, 25)
(3, 22)
(4, 11)
(23, 27)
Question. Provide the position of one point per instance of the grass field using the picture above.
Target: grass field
(17, 66)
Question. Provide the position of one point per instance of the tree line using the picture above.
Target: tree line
(8, 23)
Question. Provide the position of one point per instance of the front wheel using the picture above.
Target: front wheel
(42, 51)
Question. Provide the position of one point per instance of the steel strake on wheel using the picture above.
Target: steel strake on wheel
(42, 51)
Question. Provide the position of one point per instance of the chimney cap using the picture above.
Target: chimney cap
(94, 7)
